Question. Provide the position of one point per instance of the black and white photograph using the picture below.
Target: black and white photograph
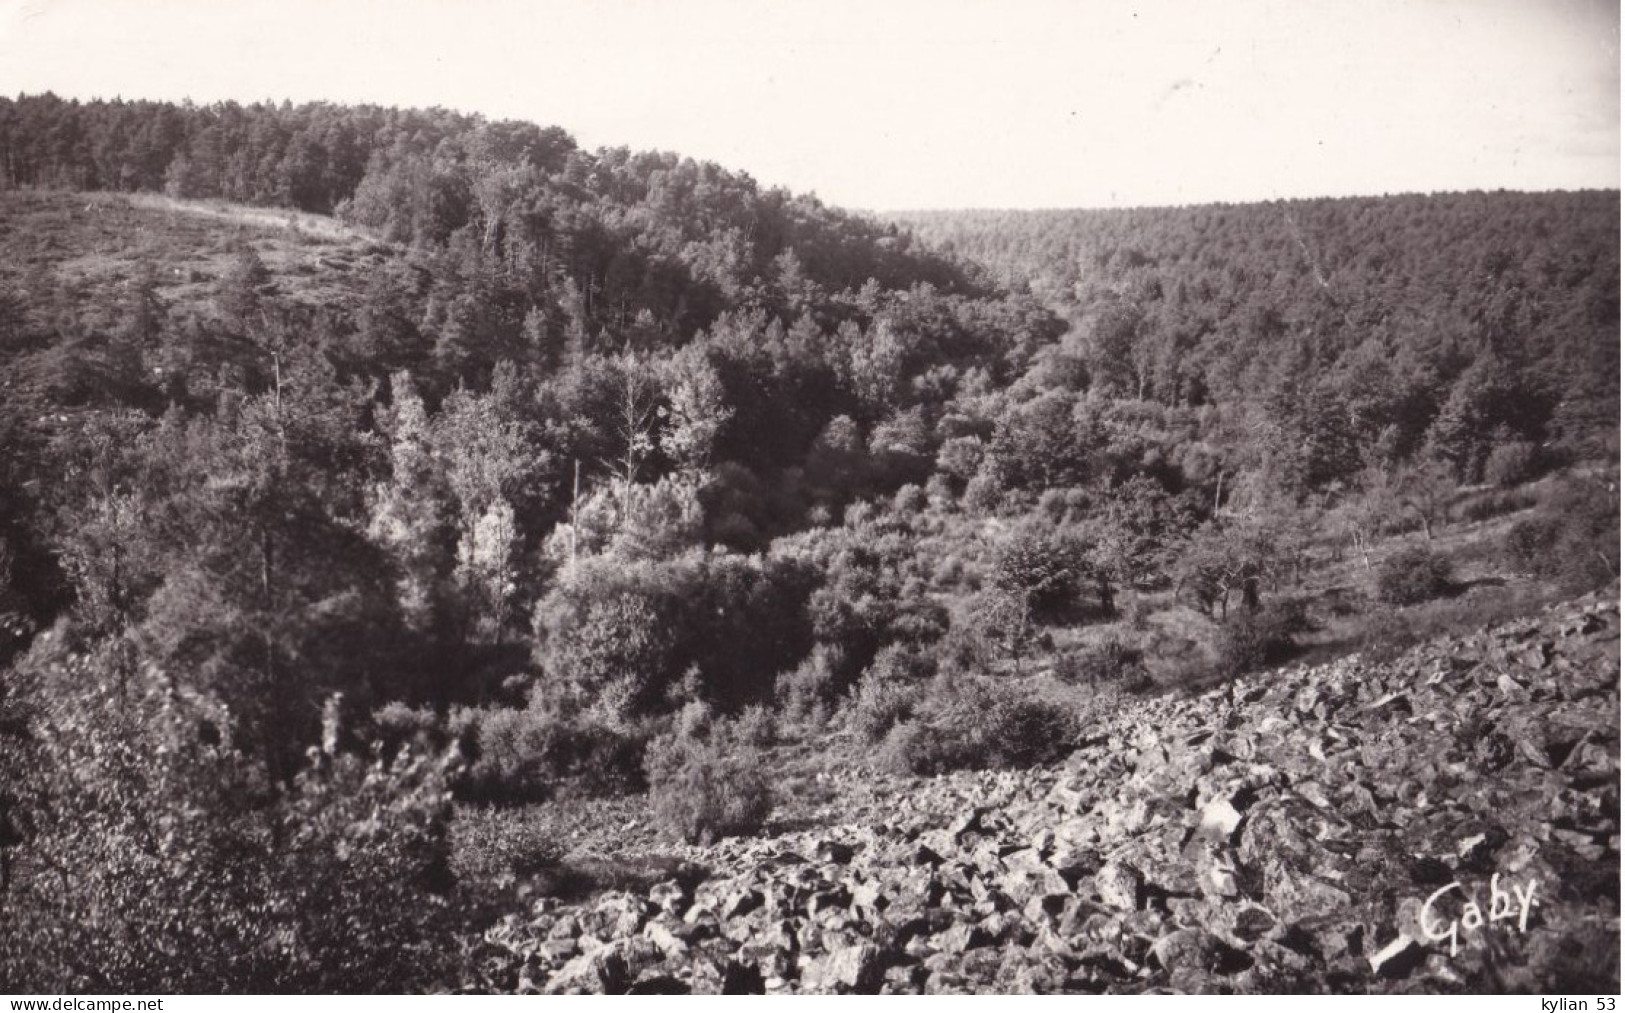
(777, 497)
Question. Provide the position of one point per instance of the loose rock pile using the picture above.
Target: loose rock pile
(1290, 842)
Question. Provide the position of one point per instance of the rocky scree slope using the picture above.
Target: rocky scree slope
(1289, 841)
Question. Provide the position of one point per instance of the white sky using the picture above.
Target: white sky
(897, 104)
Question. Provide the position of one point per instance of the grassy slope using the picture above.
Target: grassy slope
(91, 241)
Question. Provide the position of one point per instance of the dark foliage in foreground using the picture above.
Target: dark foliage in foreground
(706, 780)
(961, 724)
(1412, 575)
(161, 862)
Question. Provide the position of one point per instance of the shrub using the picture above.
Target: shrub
(1052, 503)
(531, 754)
(949, 573)
(190, 874)
(616, 636)
(1412, 575)
(808, 692)
(505, 747)
(746, 620)
(492, 844)
(1109, 661)
(1039, 573)
(917, 618)
(879, 705)
(898, 662)
(1573, 539)
(396, 726)
(755, 726)
(364, 874)
(705, 788)
(1511, 464)
(983, 493)
(939, 492)
(984, 621)
(1254, 639)
(960, 458)
(612, 647)
(1531, 544)
(967, 724)
(909, 500)
(914, 747)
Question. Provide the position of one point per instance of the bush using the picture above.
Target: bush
(949, 573)
(190, 873)
(1040, 573)
(609, 640)
(505, 748)
(693, 720)
(897, 662)
(879, 705)
(364, 875)
(983, 493)
(530, 754)
(1573, 539)
(966, 724)
(939, 492)
(807, 693)
(615, 636)
(1511, 464)
(1412, 575)
(396, 726)
(909, 500)
(1531, 545)
(1251, 640)
(490, 845)
(705, 788)
(1109, 661)
(914, 747)
(755, 726)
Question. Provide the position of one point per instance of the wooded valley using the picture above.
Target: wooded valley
(382, 489)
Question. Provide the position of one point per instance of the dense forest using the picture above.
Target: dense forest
(1392, 306)
(361, 466)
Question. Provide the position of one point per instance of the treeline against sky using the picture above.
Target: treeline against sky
(539, 204)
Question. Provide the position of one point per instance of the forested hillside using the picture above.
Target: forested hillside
(362, 468)
(1391, 308)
